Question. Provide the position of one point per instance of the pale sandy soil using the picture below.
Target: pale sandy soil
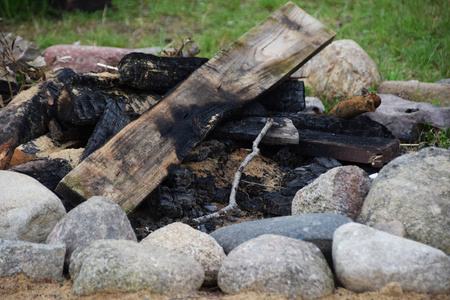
(20, 287)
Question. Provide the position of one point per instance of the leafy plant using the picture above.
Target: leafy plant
(24, 73)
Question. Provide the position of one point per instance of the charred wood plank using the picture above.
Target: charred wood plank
(47, 171)
(158, 74)
(45, 147)
(114, 119)
(282, 132)
(140, 156)
(25, 118)
(368, 150)
(358, 126)
(288, 97)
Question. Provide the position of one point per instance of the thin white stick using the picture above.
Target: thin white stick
(237, 177)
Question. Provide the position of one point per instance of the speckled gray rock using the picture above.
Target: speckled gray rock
(28, 210)
(111, 266)
(95, 219)
(414, 189)
(404, 118)
(366, 259)
(37, 261)
(341, 190)
(342, 69)
(274, 264)
(443, 81)
(315, 228)
(186, 240)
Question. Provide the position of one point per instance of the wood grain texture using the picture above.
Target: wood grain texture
(138, 158)
(367, 150)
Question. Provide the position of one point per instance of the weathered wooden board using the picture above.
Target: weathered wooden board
(137, 159)
(359, 126)
(368, 150)
(282, 132)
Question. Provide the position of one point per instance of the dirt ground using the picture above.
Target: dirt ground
(20, 287)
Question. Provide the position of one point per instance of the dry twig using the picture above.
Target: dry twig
(237, 177)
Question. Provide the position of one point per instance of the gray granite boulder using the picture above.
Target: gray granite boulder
(95, 219)
(341, 190)
(186, 240)
(315, 228)
(37, 261)
(114, 266)
(417, 91)
(28, 210)
(340, 70)
(405, 118)
(277, 265)
(414, 189)
(366, 259)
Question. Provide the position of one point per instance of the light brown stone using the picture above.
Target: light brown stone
(417, 91)
(341, 70)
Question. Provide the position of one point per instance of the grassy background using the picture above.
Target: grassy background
(407, 39)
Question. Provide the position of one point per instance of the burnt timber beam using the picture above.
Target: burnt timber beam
(375, 151)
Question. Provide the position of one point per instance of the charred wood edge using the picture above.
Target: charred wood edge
(47, 171)
(23, 119)
(158, 74)
(283, 131)
(368, 150)
(237, 177)
(360, 140)
(359, 126)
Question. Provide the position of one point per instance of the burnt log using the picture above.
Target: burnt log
(140, 156)
(288, 97)
(48, 172)
(81, 98)
(154, 73)
(45, 147)
(113, 120)
(375, 151)
(69, 105)
(25, 118)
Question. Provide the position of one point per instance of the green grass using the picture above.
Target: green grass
(407, 39)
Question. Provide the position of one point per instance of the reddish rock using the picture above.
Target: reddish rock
(85, 58)
(341, 190)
